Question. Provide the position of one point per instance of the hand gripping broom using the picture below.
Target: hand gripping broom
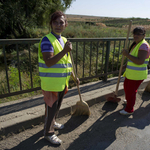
(114, 98)
(81, 107)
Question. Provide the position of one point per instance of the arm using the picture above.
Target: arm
(137, 60)
(51, 59)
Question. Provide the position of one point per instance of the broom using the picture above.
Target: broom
(81, 107)
(114, 98)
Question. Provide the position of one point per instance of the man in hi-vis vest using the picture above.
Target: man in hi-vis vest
(136, 68)
(55, 69)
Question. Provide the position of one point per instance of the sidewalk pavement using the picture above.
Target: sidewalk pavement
(21, 114)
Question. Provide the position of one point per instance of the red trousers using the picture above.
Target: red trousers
(130, 88)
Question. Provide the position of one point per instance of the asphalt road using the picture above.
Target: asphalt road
(105, 129)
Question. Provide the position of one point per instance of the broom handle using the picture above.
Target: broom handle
(120, 71)
(75, 76)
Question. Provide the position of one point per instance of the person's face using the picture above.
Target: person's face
(58, 25)
(138, 37)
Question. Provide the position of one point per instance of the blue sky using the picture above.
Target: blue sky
(111, 8)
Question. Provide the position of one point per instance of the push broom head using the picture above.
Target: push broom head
(112, 98)
(81, 108)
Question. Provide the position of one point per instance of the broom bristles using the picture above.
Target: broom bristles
(81, 108)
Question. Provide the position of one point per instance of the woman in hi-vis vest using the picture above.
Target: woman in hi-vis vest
(136, 68)
(55, 69)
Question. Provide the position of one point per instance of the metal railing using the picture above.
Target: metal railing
(98, 58)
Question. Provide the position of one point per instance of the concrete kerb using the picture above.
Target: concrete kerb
(92, 93)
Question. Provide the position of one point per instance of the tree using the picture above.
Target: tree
(18, 16)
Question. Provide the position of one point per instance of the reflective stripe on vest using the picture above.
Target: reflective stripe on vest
(55, 66)
(54, 74)
(137, 68)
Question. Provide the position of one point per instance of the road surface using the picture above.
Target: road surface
(105, 129)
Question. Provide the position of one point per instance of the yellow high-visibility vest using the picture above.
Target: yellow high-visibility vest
(56, 77)
(134, 71)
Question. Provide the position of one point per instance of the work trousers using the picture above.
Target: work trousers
(51, 114)
(130, 88)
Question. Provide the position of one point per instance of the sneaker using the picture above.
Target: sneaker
(123, 112)
(58, 126)
(125, 101)
(53, 139)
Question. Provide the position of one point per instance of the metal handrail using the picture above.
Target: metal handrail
(95, 58)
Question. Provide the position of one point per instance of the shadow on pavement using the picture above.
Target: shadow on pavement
(35, 142)
(103, 132)
(73, 123)
(31, 143)
(21, 106)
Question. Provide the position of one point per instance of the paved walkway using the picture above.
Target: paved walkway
(22, 114)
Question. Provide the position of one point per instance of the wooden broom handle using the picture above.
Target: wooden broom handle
(120, 71)
(75, 76)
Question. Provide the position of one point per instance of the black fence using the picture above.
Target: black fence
(94, 58)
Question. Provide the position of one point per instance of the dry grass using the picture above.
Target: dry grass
(87, 18)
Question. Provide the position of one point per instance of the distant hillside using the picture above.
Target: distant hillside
(109, 21)
(86, 18)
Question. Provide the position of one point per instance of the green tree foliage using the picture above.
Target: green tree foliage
(18, 16)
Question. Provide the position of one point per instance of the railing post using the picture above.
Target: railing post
(107, 59)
